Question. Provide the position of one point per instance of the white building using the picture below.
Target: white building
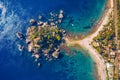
(110, 69)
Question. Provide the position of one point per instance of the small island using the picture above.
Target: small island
(43, 39)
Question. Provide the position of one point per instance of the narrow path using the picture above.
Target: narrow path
(116, 76)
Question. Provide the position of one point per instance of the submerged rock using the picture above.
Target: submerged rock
(60, 16)
(40, 23)
(37, 56)
(61, 11)
(30, 47)
(28, 41)
(55, 54)
(32, 21)
(39, 64)
(40, 17)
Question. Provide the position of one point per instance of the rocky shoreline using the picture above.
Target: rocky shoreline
(43, 39)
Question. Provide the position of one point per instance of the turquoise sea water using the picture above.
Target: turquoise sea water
(80, 15)
(77, 66)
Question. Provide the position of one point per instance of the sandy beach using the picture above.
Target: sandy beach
(85, 43)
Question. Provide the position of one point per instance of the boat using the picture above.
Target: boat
(20, 35)
(20, 48)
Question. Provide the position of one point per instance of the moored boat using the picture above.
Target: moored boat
(20, 35)
(20, 48)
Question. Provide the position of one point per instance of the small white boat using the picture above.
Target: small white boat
(20, 48)
(20, 35)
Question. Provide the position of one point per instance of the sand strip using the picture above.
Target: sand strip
(85, 43)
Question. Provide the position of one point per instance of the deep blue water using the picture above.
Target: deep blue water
(80, 16)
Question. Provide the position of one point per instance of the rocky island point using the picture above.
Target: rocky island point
(43, 39)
